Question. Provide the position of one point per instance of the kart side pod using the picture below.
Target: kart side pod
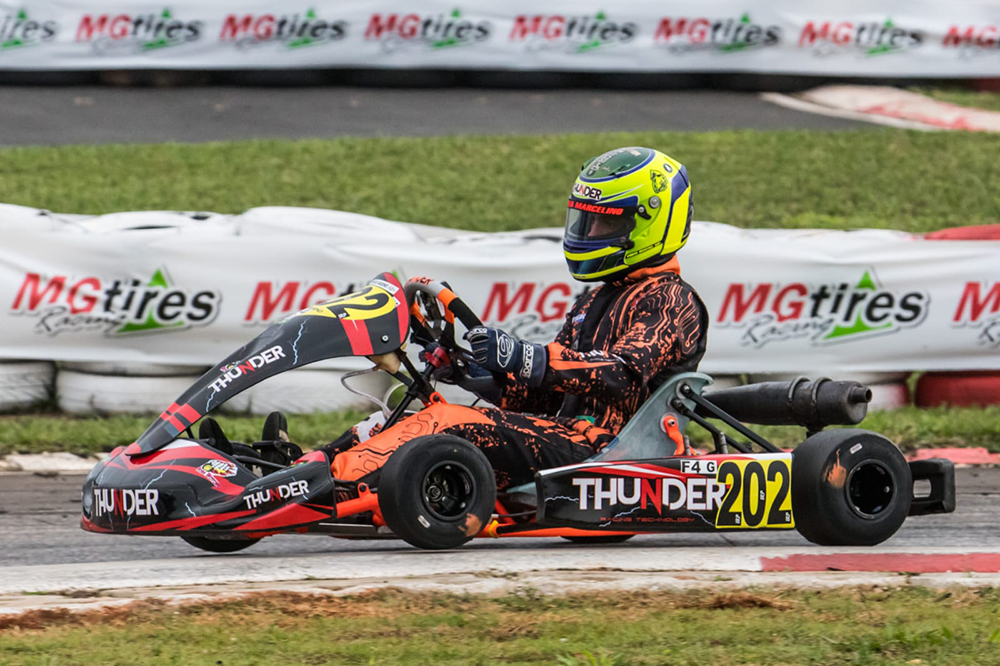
(812, 404)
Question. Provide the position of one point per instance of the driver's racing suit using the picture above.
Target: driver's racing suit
(619, 343)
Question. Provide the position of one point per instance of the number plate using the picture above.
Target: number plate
(758, 493)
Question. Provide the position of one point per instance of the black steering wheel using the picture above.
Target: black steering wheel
(434, 307)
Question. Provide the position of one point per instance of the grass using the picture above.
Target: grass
(913, 181)
(896, 626)
(910, 428)
(978, 100)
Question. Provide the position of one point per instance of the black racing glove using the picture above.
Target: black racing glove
(498, 351)
(473, 378)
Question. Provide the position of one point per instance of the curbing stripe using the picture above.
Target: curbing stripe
(917, 563)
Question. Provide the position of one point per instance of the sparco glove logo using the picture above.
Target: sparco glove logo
(871, 39)
(293, 31)
(19, 30)
(441, 31)
(726, 35)
(575, 34)
(112, 34)
(979, 309)
(63, 304)
(826, 314)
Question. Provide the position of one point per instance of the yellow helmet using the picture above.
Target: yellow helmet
(629, 208)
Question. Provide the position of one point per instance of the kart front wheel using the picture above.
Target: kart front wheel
(219, 545)
(849, 488)
(437, 492)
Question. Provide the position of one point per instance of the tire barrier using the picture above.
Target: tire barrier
(87, 393)
(130, 369)
(987, 232)
(958, 389)
(304, 391)
(24, 383)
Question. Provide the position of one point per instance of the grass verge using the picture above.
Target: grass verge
(910, 428)
(798, 179)
(895, 626)
(963, 97)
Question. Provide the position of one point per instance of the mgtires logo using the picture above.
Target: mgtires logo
(18, 30)
(870, 39)
(576, 34)
(121, 306)
(826, 314)
(530, 311)
(114, 33)
(726, 35)
(292, 31)
(396, 31)
(979, 308)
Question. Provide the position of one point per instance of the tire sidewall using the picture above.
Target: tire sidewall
(822, 468)
(400, 492)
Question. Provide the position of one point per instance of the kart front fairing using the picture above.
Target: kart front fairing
(371, 322)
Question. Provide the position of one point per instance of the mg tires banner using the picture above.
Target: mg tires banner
(891, 38)
(189, 289)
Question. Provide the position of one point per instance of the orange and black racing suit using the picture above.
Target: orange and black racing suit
(619, 343)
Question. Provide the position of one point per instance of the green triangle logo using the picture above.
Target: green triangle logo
(859, 326)
(158, 281)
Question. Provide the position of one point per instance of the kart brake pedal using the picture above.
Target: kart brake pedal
(209, 429)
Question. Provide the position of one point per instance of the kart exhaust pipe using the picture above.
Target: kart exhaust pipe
(812, 404)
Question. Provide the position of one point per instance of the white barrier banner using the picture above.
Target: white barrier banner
(851, 38)
(191, 290)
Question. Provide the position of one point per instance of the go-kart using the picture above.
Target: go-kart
(838, 487)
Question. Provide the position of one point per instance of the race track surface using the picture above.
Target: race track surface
(87, 115)
(39, 520)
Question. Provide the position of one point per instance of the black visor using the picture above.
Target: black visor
(587, 221)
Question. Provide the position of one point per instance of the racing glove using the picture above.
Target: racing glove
(473, 378)
(498, 351)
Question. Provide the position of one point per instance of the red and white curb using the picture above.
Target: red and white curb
(409, 563)
(475, 570)
(885, 105)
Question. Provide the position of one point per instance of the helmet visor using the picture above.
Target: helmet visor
(587, 221)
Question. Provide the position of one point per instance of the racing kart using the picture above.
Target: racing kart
(838, 487)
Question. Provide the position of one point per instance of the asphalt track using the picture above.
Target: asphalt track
(39, 521)
(94, 114)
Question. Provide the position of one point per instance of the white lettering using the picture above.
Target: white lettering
(628, 499)
(600, 494)
(696, 494)
(127, 502)
(285, 491)
(584, 485)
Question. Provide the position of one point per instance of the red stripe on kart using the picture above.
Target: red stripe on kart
(357, 334)
(192, 522)
(894, 562)
(287, 516)
(404, 318)
(188, 412)
(172, 420)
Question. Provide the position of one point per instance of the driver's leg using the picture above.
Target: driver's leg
(516, 445)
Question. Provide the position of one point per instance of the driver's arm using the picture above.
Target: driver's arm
(665, 329)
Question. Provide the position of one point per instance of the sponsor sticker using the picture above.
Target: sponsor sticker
(126, 502)
(234, 371)
(370, 303)
(282, 492)
(214, 469)
(757, 493)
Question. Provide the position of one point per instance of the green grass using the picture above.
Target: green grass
(978, 100)
(910, 428)
(899, 626)
(868, 178)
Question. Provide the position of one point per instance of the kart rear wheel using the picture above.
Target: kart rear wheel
(437, 492)
(219, 545)
(597, 540)
(849, 488)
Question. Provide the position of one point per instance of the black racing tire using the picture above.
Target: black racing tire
(849, 488)
(597, 540)
(437, 492)
(219, 545)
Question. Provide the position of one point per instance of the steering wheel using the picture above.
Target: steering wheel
(434, 307)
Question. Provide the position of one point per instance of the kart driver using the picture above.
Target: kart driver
(628, 214)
